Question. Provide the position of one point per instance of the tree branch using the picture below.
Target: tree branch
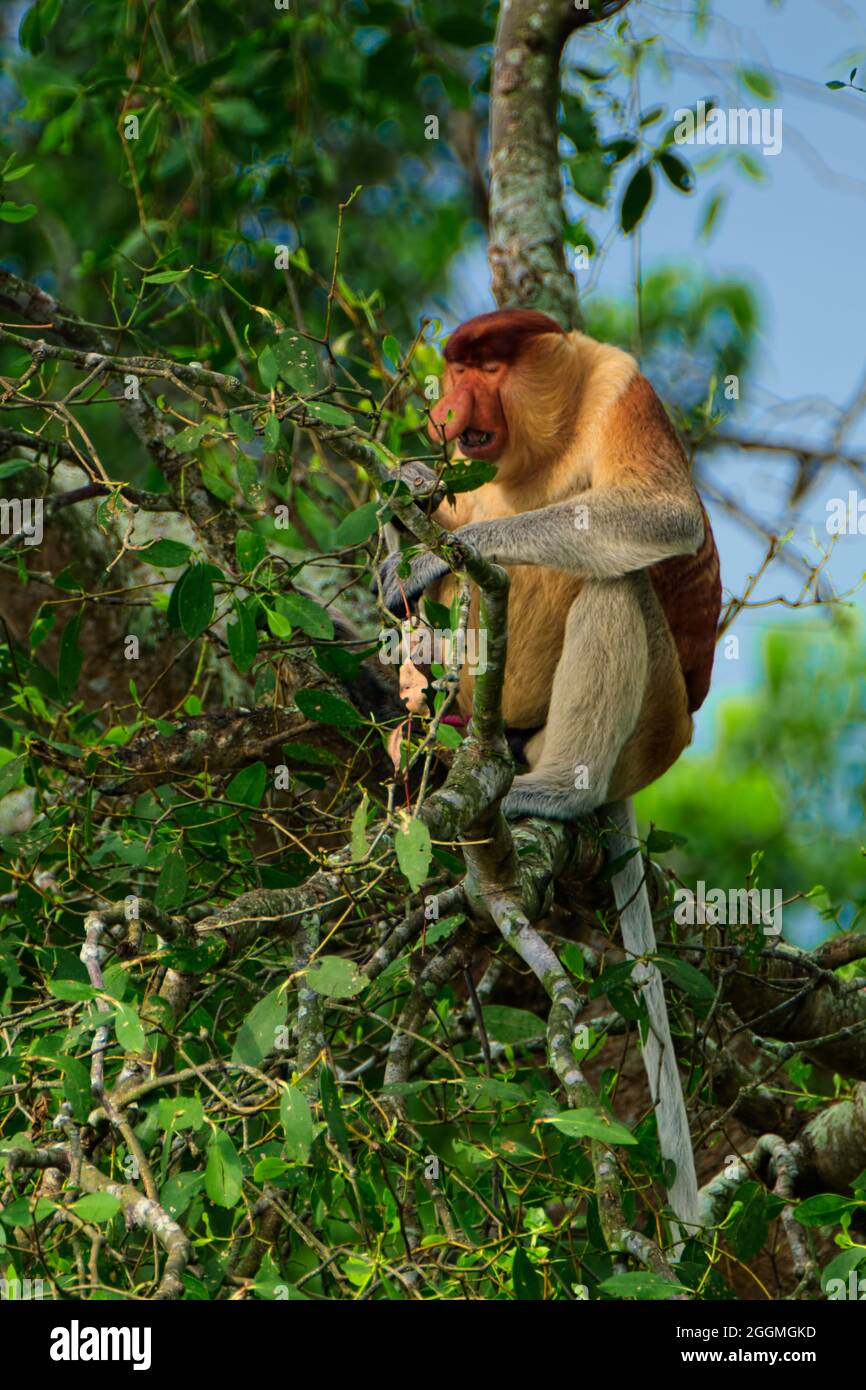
(526, 254)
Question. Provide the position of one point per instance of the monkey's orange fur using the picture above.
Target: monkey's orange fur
(578, 413)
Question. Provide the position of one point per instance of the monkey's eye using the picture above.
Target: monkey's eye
(490, 366)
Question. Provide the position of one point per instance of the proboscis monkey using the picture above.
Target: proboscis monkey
(613, 607)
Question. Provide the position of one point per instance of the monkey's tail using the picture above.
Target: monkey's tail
(638, 938)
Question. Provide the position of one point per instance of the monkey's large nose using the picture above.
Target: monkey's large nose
(451, 416)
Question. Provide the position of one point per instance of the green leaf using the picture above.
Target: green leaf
(484, 1091)
(165, 277)
(194, 960)
(826, 1209)
(257, 1036)
(359, 831)
(180, 1112)
(242, 426)
(76, 1086)
(272, 433)
(269, 1168)
(437, 931)
(688, 978)
(268, 369)
(636, 198)
(12, 175)
(70, 658)
(299, 751)
(72, 991)
(189, 438)
(759, 82)
(36, 24)
(748, 1221)
(466, 477)
(248, 785)
(166, 555)
(242, 637)
(172, 885)
(23, 1211)
(591, 1124)
(11, 773)
(508, 1025)
(336, 977)
(329, 414)
(414, 852)
(660, 841)
(250, 549)
(248, 478)
(306, 614)
(528, 1283)
(311, 515)
(676, 171)
(339, 662)
(836, 86)
(278, 624)
(223, 1177)
(196, 600)
(326, 708)
(127, 1026)
(640, 1284)
(238, 114)
(358, 526)
(842, 1265)
(176, 1195)
(750, 165)
(97, 1207)
(298, 362)
(13, 466)
(573, 959)
(711, 214)
(591, 175)
(17, 212)
(297, 1122)
(332, 1110)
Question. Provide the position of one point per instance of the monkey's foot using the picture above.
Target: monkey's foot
(531, 795)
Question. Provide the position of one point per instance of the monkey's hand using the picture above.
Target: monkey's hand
(398, 593)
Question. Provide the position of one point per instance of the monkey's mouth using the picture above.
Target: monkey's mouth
(477, 442)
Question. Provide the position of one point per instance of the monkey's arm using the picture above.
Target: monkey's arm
(603, 534)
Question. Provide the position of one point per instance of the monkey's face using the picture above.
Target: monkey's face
(470, 410)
